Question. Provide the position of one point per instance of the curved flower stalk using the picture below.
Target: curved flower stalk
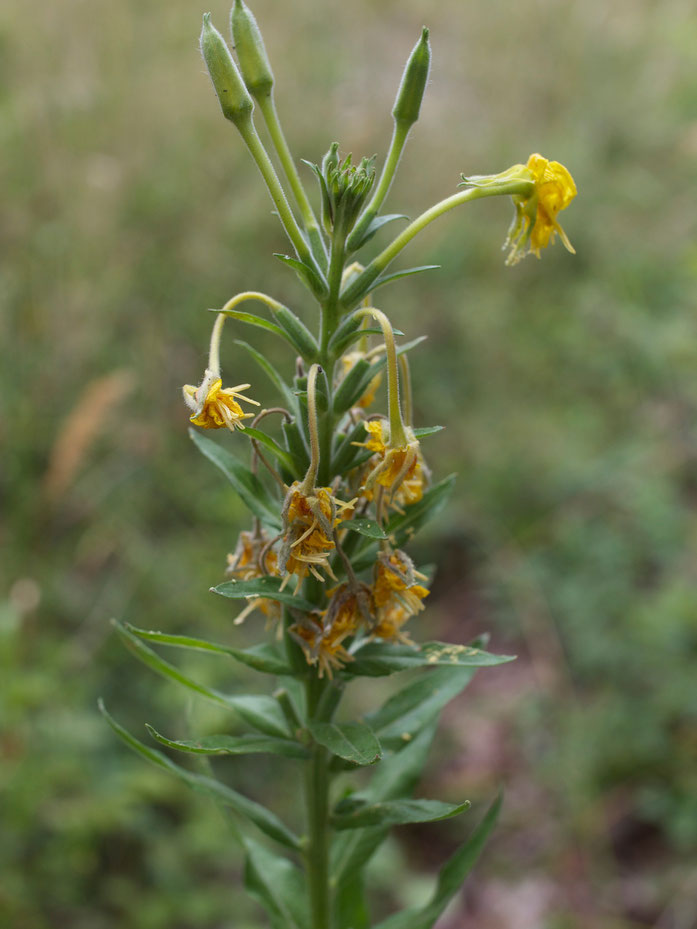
(344, 489)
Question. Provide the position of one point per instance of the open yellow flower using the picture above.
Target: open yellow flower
(215, 406)
(535, 222)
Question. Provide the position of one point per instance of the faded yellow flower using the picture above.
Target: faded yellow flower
(308, 528)
(392, 467)
(322, 639)
(535, 222)
(397, 594)
(253, 557)
(215, 406)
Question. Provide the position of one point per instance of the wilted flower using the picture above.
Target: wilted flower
(252, 558)
(394, 465)
(397, 594)
(321, 636)
(214, 406)
(308, 527)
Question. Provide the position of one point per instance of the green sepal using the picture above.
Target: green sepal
(233, 745)
(264, 657)
(375, 224)
(352, 387)
(378, 659)
(354, 742)
(355, 813)
(404, 714)
(450, 879)
(280, 454)
(250, 489)
(253, 320)
(396, 275)
(261, 712)
(297, 333)
(277, 885)
(271, 373)
(346, 456)
(307, 275)
(268, 587)
(296, 447)
(365, 527)
(262, 818)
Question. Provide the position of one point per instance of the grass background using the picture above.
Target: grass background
(567, 387)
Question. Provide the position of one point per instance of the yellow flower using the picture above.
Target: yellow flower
(215, 407)
(308, 528)
(321, 640)
(535, 222)
(396, 595)
(394, 466)
(252, 558)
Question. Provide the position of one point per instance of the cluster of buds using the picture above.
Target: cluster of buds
(344, 188)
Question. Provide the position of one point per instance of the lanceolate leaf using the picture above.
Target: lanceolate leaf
(260, 657)
(403, 526)
(425, 431)
(377, 223)
(268, 587)
(253, 320)
(261, 712)
(376, 659)
(252, 492)
(367, 527)
(277, 885)
(396, 275)
(404, 714)
(354, 742)
(450, 879)
(262, 818)
(271, 373)
(307, 275)
(395, 813)
(234, 745)
(272, 445)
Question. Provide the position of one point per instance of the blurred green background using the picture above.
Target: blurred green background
(567, 387)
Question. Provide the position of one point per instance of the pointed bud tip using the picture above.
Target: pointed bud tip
(425, 33)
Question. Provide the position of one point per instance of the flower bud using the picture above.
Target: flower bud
(235, 102)
(345, 187)
(411, 89)
(251, 53)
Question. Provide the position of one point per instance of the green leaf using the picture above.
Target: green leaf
(252, 492)
(307, 275)
(405, 713)
(234, 745)
(427, 430)
(268, 587)
(354, 813)
(450, 879)
(355, 742)
(253, 320)
(404, 526)
(377, 223)
(271, 373)
(260, 657)
(396, 275)
(297, 333)
(366, 527)
(350, 907)
(262, 818)
(277, 885)
(272, 445)
(261, 712)
(347, 340)
(376, 659)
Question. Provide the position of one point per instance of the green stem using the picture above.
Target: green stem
(399, 138)
(267, 105)
(361, 284)
(317, 806)
(258, 152)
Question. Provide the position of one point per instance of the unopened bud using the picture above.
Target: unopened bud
(411, 89)
(251, 53)
(235, 102)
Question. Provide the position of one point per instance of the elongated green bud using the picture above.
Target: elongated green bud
(251, 53)
(235, 102)
(411, 89)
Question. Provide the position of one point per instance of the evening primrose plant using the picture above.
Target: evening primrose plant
(336, 488)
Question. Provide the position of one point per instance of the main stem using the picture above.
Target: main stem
(317, 806)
